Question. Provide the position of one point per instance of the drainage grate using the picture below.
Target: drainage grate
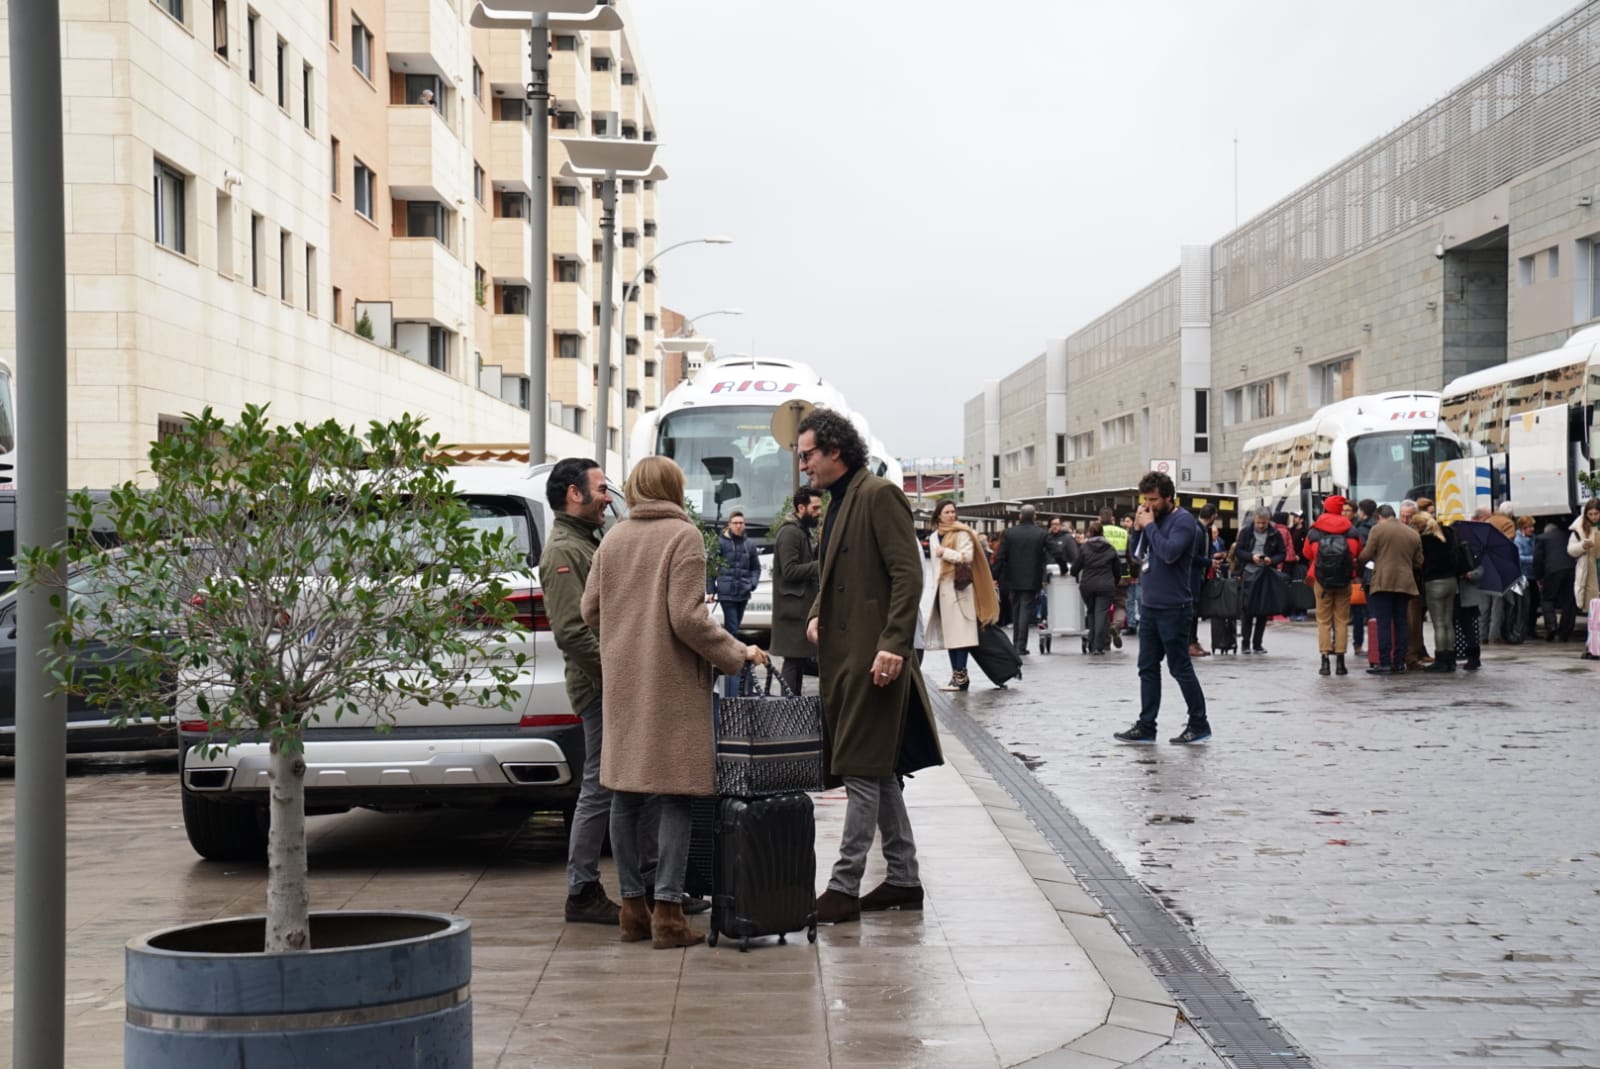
(1224, 1015)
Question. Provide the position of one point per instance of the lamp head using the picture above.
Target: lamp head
(718, 240)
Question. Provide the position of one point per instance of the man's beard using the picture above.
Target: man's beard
(808, 520)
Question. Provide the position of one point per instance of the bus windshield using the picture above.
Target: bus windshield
(730, 460)
(1388, 465)
(8, 426)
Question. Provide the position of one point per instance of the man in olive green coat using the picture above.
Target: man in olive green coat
(875, 709)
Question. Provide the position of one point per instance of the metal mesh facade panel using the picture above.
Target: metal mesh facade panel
(1133, 328)
(1536, 103)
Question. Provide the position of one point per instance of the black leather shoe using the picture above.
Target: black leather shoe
(836, 907)
(890, 896)
(693, 904)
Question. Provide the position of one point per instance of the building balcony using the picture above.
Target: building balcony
(570, 233)
(508, 344)
(571, 308)
(427, 283)
(424, 156)
(508, 62)
(569, 78)
(511, 251)
(423, 36)
(511, 155)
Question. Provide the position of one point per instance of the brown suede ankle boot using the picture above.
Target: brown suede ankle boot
(634, 920)
(670, 929)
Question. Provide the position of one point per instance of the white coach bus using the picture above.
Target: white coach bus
(1382, 446)
(718, 427)
(1523, 432)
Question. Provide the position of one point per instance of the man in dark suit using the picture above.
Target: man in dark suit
(1019, 567)
(794, 587)
(874, 706)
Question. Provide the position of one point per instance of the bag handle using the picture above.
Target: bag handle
(783, 685)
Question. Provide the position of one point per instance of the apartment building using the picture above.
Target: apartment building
(325, 207)
(1467, 236)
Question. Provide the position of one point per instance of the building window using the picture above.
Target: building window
(569, 346)
(629, 185)
(428, 219)
(477, 182)
(338, 309)
(512, 110)
(649, 369)
(567, 196)
(568, 271)
(514, 300)
(566, 42)
(1202, 421)
(1332, 381)
(649, 228)
(599, 62)
(1268, 397)
(629, 78)
(649, 322)
(1117, 431)
(597, 313)
(256, 226)
(361, 48)
(284, 268)
(425, 89)
(169, 197)
(1080, 446)
(366, 189)
(649, 135)
(333, 22)
(252, 37)
(172, 7)
(438, 348)
(224, 235)
(649, 276)
(1591, 247)
(305, 87)
(333, 156)
(630, 239)
(649, 183)
(513, 205)
(477, 81)
(283, 74)
(633, 398)
(1061, 456)
(219, 27)
(630, 132)
(597, 126)
(311, 279)
(1553, 261)
(1525, 270)
(566, 120)
(994, 476)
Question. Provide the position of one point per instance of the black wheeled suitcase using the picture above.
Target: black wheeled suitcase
(766, 869)
(996, 656)
(1224, 634)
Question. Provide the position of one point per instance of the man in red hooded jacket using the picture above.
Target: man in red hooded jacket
(1332, 578)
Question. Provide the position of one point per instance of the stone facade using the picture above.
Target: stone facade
(244, 181)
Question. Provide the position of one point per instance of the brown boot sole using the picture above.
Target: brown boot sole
(674, 937)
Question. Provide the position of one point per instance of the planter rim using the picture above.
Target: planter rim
(450, 924)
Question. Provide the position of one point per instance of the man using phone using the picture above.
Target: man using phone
(1167, 602)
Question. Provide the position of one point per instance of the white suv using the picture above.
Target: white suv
(528, 756)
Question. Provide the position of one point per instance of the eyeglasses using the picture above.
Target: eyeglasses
(805, 455)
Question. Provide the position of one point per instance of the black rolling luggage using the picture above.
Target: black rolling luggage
(996, 656)
(1224, 634)
(766, 869)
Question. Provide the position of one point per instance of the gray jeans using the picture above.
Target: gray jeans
(592, 814)
(874, 805)
(634, 832)
(1441, 597)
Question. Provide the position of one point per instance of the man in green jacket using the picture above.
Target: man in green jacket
(875, 709)
(578, 501)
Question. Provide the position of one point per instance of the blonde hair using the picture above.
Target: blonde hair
(1425, 523)
(654, 479)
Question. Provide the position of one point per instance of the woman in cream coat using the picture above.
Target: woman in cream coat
(956, 615)
(1583, 546)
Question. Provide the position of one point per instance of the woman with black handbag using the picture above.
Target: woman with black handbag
(1257, 554)
(964, 598)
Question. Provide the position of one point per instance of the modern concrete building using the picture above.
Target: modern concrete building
(325, 208)
(1467, 236)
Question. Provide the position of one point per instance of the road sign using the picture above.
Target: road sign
(1169, 468)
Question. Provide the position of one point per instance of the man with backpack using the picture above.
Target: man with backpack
(1331, 548)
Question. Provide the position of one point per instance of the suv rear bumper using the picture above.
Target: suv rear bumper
(415, 766)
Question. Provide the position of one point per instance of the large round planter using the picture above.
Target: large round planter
(379, 990)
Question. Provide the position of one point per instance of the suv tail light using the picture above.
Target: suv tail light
(529, 608)
(195, 726)
(551, 720)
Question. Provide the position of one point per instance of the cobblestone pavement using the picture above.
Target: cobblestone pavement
(1401, 871)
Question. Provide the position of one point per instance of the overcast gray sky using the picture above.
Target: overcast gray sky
(921, 193)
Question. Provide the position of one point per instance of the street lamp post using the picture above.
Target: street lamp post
(688, 323)
(537, 17)
(628, 293)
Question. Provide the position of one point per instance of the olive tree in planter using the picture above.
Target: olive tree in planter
(275, 577)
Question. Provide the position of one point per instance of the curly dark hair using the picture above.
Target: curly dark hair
(804, 496)
(1158, 483)
(568, 472)
(833, 430)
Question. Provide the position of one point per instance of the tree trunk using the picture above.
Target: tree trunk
(288, 897)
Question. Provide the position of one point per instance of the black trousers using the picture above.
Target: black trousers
(1252, 631)
(1022, 617)
(1559, 605)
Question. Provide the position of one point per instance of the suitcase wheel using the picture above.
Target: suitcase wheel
(783, 940)
(711, 936)
(744, 945)
(811, 933)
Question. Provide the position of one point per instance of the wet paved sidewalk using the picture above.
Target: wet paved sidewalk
(1010, 963)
